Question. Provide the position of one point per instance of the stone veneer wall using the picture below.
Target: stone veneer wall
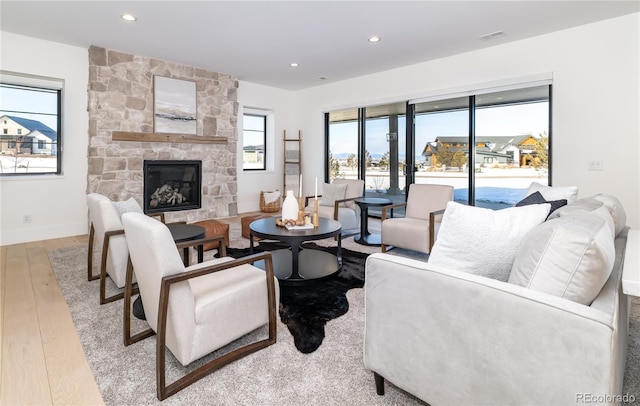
(121, 99)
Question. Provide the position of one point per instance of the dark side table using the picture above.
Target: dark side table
(365, 237)
(182, 232)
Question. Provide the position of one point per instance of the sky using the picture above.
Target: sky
(13, 101)
(504, 121)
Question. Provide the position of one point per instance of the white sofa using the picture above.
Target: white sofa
(451, 337)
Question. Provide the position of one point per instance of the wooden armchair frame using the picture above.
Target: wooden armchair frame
(164, 390)
(103, 261)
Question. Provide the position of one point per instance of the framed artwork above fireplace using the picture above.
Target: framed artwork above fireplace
(174, 106)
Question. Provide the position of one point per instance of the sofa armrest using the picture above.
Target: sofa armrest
(449, 337)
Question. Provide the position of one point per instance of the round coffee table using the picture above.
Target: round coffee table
(297, 264)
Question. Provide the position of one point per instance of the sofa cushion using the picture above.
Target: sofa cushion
(554, 192)
(616, 209)
(484, 241)
(588, 205)
(569, 256)
(331, 193)
(537, 198)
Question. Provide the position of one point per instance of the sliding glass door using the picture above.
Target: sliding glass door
(489, 146)
(512, 139)
(441, 139)
(385, 146)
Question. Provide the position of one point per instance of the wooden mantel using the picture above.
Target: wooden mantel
(166, 137)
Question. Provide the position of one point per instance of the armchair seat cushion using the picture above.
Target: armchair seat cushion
(228, 305)
(404, 232)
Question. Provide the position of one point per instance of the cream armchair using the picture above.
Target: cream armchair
(416, 231)
(199, 309)
(343, 210)
(107, 234)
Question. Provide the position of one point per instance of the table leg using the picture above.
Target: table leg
(200, 253)
(364, 221)
(295, 251)
(185, 257)
(339, 253)
(250, 242)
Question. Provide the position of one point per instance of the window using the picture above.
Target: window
(30, 110)
(490, 145)
(254, 142)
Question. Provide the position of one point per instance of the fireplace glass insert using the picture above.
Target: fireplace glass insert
(172, 185)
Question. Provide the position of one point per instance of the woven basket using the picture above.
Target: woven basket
(269, 207)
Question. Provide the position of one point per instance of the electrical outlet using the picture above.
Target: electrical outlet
(595, 165)
(26, 218)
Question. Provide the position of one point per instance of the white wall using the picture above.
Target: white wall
(280, 104)
(596, 100)
(595, 116)
(56, 203)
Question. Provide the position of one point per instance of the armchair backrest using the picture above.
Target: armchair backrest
(105, 218)
(424, 199)
(154, 255)
(355, 188)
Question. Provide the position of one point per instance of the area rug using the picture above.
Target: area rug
(305, 308)
(278, 375)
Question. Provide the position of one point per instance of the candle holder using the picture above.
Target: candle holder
(300, 212)
(316, 220)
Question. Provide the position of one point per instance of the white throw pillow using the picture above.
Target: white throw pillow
(570, 193)
(570, 256)
(331, 193)
(616, 209)
(129, 205)
(483, 241)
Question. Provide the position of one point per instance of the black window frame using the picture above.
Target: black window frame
(264, 133)
(26, 85)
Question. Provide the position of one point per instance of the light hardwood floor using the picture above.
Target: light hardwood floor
(41, 356)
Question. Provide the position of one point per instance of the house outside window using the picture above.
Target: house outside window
(30, 113)
(254, 142)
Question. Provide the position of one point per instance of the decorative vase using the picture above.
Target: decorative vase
(290, 207)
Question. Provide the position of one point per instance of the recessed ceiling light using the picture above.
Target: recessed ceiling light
(128, 17)
(374, 39)
(294, 64)
(492, 35)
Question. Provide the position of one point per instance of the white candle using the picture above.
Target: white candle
(316, 188)
(300, 194)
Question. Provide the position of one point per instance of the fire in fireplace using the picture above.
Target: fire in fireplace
(172, 185)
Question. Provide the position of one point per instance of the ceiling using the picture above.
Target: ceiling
(257, 40)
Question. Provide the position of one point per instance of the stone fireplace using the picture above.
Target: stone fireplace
(171, 185)
(122, 138)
